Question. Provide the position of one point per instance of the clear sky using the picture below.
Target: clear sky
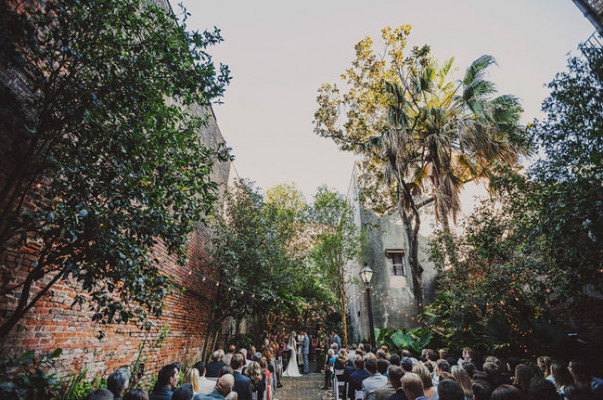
(281, 51)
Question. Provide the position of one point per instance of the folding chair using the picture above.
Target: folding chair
(359, 395)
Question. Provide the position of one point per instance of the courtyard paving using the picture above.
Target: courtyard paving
(306, 387)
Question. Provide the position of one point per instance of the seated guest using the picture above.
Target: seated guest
(184, 392)
(406, 364)
(421, 370)
(582, 374)
(229, 354)
(166, 382)
(542, 389)
(562, 377)
(523, 376)
(482, 390)
(373, 382)
(100, 394)
(204, 386)
(382, 366)
(440, 366)
(212, 368)
(507, 392)
(395, 360)
(450, 390)
(118, 381)
(356, 377)
(136, 394)
(394, 373)
(192, 377)
(462, 378)
(242, 385)
(577, 391)
(412, 384)
(257, 378)
(222, 391)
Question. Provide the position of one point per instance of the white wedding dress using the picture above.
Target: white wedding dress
(292, 369)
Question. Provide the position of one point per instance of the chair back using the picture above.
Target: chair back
(359, 395)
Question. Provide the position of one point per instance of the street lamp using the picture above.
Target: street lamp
(367, 275)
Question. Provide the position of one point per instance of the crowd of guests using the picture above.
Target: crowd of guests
(439, 376)
(230, 375)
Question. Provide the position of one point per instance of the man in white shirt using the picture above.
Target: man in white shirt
(205, 385)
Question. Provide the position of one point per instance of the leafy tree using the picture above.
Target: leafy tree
(259, 247)
(422, 135)
(108, 148)
(534, 255)
(337, 242)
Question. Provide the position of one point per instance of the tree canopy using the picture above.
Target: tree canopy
(108, 147)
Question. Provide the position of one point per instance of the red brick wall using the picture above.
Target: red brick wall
(54, 322)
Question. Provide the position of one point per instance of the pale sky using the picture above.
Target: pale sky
(281, 51)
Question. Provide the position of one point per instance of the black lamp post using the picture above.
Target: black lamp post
(367, 275)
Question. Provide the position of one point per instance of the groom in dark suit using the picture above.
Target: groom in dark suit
(305, 350)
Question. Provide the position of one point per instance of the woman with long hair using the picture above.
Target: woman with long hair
(258, 383)
(192, 377)
(507, 392)
(523, 376)
(268, 374)
(464, 380)
(428, 388)
(562, 377)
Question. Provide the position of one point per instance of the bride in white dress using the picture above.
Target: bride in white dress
(292, 369)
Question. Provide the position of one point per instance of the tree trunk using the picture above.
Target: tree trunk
(344, 322)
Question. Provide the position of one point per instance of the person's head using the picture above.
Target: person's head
(334, 346)
(523, 376)
(482, 390)
(429, 365)
(178, 366)
(463, 379)
(358, 363)
(450, 390)
(200, 366)
(405, 353)
(100, 394)
(421, 370)
(267, 354)
(257, 357)
(136, 394)
(577, 391)
(443, 354)
(231, 349)
(184, 392)
(224, 370)
(493, 372)
(382, 366)
(236, 363)
(394, 374)
(371, 366)
(343, 355)
(243, 352)
(469, 353)
(469, 367)
(263, 363)
(168, 376)
(118, 381)
(442, 366)
(412, 385)
(544, 364)
(254, 372)
(542, 389)
(192, 377)
(333, 333)
(432, 355)
(580, 371)
(216, 355)
(331, 353)
(561, 375)
(394, 360)
(507, 392)
(406, 364)
(381, 354)
(225, 384)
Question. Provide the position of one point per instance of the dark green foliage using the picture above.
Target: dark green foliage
(527, 263)
(414, 340)
(28, 377)
(109, 136)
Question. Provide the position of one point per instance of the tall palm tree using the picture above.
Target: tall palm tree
(439, 135)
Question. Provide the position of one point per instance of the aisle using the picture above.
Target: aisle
(306, 387)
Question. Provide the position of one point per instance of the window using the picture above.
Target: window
(397, 257)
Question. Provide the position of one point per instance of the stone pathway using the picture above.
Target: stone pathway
(306, 387)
